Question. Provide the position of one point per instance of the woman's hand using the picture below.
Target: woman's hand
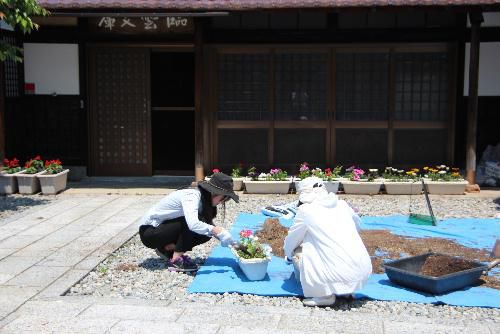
(217, 230)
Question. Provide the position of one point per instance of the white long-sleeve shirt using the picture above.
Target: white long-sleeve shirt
(184, 202)
(334, 259)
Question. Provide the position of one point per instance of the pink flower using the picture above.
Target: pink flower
(215, 170)
(246, 233)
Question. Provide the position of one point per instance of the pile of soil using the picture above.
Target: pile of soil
(383, 245)
(440, 265)
(273, 234)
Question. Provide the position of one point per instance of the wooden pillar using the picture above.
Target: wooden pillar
(2, 112)
(476, 17)
(198, 87)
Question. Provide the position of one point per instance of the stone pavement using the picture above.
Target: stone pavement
(44, 251)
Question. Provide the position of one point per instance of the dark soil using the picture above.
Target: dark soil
(440, 265)
(273, 234)
(383, 245)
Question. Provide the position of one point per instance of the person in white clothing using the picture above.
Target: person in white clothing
(325, 245)
(184, 219)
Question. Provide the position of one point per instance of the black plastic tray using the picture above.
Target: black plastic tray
(405, 272)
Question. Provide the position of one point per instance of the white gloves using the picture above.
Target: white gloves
(225, 238)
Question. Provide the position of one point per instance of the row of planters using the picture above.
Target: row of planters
(441, 180)
(49, 177)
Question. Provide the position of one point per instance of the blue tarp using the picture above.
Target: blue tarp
(221, 273)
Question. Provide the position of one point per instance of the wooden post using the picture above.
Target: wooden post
(476, 17)
(198, 86)
(2, 112)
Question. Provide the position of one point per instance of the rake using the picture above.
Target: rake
(419, 219)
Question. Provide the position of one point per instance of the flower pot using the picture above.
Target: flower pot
(332, 186)
(361, 187)
(237, 183)
(446, 187)
(8, 183)
(267, 187)
(403, 188)
(28, 183)
(254, 269)
(51, 184)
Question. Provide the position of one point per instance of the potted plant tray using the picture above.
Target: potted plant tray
(362, 187)
(237, 183)
(267, 187)
(51, 184)
(254, 269)
(28, 183)
(8, 183)
(446, 187)
(332, 186)
(403, 188)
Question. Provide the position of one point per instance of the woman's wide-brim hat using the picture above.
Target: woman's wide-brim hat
(220, 184)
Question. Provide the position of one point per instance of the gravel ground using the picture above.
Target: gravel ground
(16, 204)
(135, 271)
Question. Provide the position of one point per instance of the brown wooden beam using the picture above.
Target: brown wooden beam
(198, 93)
(476, 17)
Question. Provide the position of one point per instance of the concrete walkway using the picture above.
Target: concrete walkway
(44, 251)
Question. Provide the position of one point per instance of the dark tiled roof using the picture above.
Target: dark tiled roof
(235, 5)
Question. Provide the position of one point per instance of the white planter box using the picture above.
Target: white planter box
(403, 188)
(332, 186)
(237, 183)
(51, 184)
(28, 183)
(267, 187)
(8, 183)
(361, 187)
(446, 187)
(254, 269)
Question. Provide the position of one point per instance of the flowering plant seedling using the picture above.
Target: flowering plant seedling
(11, 166)
(250, 247)
(53, 166)
(34, 165)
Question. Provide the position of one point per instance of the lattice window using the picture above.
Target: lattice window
(11, 72)
(243, 87)
(362, 147)
(362, 86)
(292, 146)
(301, 86)
(422, 89)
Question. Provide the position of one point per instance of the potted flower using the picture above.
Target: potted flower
(8, 180)
(215, 170)
(274, 182)
(443, 180)
(253, 257)
(362, 182)
(28, 178)
(236, 174)
(331, 178)
(54, 178)
(401, 182)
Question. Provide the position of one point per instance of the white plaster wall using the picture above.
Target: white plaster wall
(489, 69)
(53, 68)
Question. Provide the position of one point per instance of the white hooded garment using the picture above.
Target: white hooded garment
(334, 258)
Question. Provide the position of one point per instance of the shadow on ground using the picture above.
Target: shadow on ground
(18, 203)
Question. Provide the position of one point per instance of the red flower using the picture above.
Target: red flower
(215, 170)
(37, 158)
(246, 233)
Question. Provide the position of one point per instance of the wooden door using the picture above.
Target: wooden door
(120, 116)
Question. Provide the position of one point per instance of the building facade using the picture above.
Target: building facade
(196, 85)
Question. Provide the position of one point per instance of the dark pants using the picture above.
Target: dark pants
(174, 231)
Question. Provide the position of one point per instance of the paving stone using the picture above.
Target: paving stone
(147, 327)
(38, 276)
(11, 297)
(130, 312)
(63, 283)
(42, 324)
(332, 323)
(5, 277)
(4, 252)
(392, 327)
(17, 264)
(255, 330)
(52, 309)
(228, 317)
(41, 229)
(18, 242)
